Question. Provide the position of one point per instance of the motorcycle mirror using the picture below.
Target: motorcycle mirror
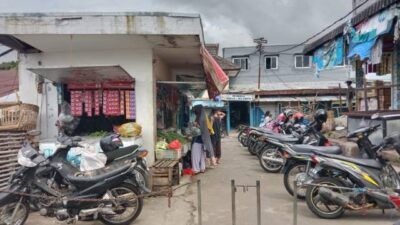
(375, 116)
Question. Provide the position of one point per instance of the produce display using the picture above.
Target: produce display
(130, 130)
(170, 136)
(170, 145)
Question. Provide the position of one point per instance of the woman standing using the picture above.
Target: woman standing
(201, 143)
(217, 117)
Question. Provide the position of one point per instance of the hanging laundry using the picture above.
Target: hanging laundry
(376, 53)
(366, 34)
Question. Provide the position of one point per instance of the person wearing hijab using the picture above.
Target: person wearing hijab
(201, 143)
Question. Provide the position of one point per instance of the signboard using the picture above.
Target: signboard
(238, 97)
(208, 103)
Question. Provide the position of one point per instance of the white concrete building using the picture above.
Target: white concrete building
(83, 47)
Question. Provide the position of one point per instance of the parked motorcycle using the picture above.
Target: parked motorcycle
(112, 192)
(257, 137)
(271, 156)
(243, 133)
(299, 163)
(342, 183)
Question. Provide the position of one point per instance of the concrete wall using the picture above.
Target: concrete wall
(138, 63)
(272, 107)
(286, 76)
(161, 70)
(101, 23)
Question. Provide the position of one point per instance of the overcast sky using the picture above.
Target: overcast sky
(228, 22)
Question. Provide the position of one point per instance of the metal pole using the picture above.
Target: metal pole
(259, 67)
(258, 202)
(233, 189)
(340, 99)
(294, 202)
(199, 202)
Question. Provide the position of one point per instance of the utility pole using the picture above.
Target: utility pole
(260, 44)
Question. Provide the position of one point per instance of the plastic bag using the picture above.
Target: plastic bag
(92, 160)
(66, 122)
(175, 145)
(74, 156)
(130, 130)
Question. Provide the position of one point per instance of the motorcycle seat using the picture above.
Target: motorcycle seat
(282, 137)
(361, 162)
(121, 153)
(94, 176)
(335, 150)
(264, 130)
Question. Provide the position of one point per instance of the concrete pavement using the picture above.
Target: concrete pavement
(237, 164)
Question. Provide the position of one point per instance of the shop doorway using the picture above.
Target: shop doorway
(239, 113)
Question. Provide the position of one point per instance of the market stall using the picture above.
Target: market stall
(101, 97)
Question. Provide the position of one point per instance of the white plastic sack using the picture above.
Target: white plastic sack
(91, 159)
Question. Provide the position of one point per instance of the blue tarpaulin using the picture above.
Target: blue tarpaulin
(364, 37)
(329, 55)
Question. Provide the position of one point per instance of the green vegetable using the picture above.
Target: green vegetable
(161, 145)
(98, 133)
(169, 136)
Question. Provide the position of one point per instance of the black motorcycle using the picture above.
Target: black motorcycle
(108, 194)
(299, 162)
(342, 183)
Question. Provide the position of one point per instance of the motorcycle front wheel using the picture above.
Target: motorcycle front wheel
(125, 213)
(21, 214)
(293, 173)
(275, 165)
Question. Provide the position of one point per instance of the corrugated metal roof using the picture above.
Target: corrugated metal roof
(301, 99)
(366, 13)
(313, 92)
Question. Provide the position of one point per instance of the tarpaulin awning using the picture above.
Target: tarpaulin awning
(364, 36)
(371, 10)
(329, 55)
(216, 79)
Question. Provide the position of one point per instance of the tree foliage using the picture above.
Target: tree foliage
(8, 65)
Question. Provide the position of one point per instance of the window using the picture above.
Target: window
(344, 63)
(243, 62)
(302, 61)
(271, 62)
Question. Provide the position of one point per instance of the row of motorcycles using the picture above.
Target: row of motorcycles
(329, 182)
(55, 188)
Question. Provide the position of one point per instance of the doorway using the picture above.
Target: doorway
(239, 113)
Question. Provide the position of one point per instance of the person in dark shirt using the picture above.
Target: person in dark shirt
(216, 117)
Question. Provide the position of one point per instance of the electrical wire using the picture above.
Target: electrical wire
(310, 38)
(325, 29)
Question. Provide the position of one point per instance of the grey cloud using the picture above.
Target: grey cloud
(229, 22)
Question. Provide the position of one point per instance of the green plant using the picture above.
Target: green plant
(169, 136)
